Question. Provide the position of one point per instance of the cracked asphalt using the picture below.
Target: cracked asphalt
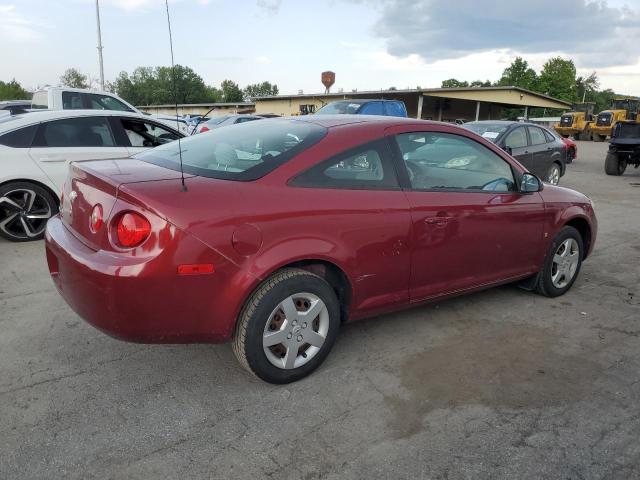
(499, 384)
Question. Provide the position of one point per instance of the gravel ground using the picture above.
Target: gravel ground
(499, 384)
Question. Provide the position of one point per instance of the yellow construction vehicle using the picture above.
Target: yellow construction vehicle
(576, 123)
(622, 108)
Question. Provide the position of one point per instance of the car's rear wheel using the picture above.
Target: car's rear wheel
(24, 211)
(614, 165)
(562, 263)
(287, 327)
(553, 175)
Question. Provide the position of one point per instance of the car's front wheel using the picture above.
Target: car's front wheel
(24, 211)
(287, 327)
(562, 263)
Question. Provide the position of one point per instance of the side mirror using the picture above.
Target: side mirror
(508, 150)
(530, 183)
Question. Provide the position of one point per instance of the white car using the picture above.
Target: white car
(36, 149)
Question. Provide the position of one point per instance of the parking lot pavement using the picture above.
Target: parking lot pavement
(499, 384)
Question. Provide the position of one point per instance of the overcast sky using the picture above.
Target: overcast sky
(369, 44)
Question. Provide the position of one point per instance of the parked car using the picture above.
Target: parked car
(392, 108)
(15, 106)
(223, 121)
(535, 147)
(178, 123)
(36, 149)
(572, 148)
(67, 98)
(624, 148)
(289, 227)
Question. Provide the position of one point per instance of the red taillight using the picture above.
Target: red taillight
(95, 221)
(132, 229)
(204, 128)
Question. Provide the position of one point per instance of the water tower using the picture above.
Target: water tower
(328, 79)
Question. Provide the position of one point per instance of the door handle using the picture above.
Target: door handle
(439, 221)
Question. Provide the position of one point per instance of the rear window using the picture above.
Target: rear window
(628, 130)
(244, 152)
(490, 131)
(40, 100)
(340, 108)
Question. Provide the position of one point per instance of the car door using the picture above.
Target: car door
(471, 225)
(541, 152)
(517, 143)
(357, 192)
(140, 135)
(58, 142)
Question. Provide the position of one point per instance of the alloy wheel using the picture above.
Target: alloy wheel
(565, 263)
(554, 175)
(295, 331)
(23, 214)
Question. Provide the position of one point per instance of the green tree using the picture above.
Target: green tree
(13, 91)
(155, 86)
(231, 91)
(519, 74)
(264, 89)
(585, 87)
(558, 79)
(74, 79)
(603, 99)
(453, 83)
(480, 83)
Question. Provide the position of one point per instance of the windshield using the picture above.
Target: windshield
(339, 108)
(628, 130)
(490, 131)
(245, 151)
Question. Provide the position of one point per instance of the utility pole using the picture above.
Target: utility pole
(100, 46)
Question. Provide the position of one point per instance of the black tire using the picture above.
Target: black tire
(12, 193)
(598, 138)
(248, 339)
(614, 165)
(577, 136)
(545, 284)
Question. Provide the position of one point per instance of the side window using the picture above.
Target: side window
(20, 138)
(537, 137)
(395, 109)
(446, 161)
(104, 102)
(372, 108)
(75, 132)
(516, 139)
(548, 136)
(365, 167)
(146, 134)
(72, 101)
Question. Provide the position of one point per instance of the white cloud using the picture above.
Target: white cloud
(263, 59)
(14, 27)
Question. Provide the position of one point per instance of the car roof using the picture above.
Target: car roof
(38, 116)
(362, 100)
(329, 121)
(72, 89)
(504, 122)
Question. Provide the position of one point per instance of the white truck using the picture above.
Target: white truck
(67, 98)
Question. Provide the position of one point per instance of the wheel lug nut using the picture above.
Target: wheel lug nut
(304, 325)
(289, 336)
(299, 338)
(295, 322)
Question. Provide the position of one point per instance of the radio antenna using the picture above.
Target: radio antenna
(175, 95)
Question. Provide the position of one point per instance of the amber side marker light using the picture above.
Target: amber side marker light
(195, 269)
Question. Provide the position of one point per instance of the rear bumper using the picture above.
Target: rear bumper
(144, 299)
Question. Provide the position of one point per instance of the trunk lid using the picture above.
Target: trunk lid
(97, 182)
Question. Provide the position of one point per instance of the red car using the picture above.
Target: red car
(286, 228)
(572, 149)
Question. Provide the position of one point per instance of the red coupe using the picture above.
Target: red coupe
(288, 227)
